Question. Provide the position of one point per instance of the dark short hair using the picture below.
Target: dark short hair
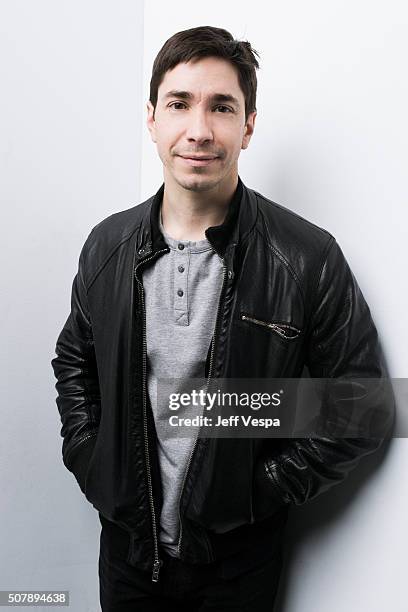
(208, 41)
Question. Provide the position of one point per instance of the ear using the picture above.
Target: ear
(150, 121)
(249, 130)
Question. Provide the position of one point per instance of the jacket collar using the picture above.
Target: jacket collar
(238, 222)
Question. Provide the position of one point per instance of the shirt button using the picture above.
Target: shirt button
(180, 268)
(180, 292)
(181, 246)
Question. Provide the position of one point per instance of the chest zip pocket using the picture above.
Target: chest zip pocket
(285, 330)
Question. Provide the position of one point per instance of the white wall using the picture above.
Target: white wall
(330, 143)
(70, 108)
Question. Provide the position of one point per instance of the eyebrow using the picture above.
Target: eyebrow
(187, 95)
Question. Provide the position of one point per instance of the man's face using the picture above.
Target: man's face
(200, 112)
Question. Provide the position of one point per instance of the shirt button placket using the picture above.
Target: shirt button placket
(180, 286)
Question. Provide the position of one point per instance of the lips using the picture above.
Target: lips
(199, 157)
(198, 161)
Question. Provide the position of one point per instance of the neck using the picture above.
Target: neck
(186, 214)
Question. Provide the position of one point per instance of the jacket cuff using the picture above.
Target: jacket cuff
(266, 496)
(80, 462)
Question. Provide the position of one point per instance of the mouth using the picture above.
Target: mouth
(198, 160)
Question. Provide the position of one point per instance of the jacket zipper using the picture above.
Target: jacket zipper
(157, 562)
(207, 384)
(279, 328)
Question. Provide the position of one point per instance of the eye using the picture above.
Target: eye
(225, 107)
(172, 104)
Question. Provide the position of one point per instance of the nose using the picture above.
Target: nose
(199, 127)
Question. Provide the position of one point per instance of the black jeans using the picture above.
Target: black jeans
(183, 587)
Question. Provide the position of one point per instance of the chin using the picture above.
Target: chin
(196, 183)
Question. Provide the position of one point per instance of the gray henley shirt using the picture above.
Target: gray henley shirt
(182, 290)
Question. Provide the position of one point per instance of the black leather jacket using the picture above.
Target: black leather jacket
(278, 268)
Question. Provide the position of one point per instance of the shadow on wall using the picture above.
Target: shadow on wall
(306, 521)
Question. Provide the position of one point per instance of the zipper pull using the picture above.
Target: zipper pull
(156, 568)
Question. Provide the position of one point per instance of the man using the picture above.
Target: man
(207, 278)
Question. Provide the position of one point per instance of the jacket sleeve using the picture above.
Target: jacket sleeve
(342, 343)
(77, 385)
